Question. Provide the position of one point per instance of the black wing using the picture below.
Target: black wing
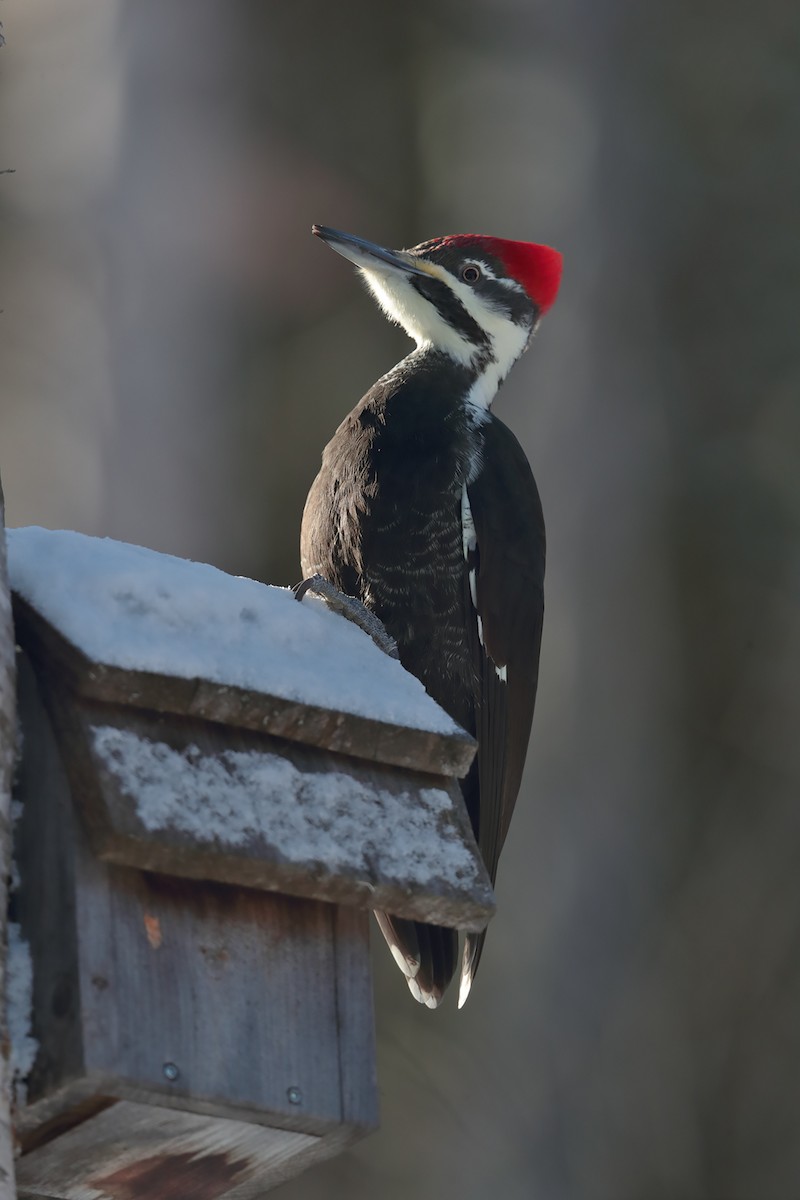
(507, 592)
(353, 531)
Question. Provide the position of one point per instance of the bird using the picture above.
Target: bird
(425, 509)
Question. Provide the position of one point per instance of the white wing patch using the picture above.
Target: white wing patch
(470, 544)
(469, 538)
(469, 541)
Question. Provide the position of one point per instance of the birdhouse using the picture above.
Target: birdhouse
(218, 783)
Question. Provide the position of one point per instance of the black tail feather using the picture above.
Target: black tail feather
(426, 954)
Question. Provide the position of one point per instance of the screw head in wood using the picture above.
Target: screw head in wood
(171, 1072)
(295, 1096)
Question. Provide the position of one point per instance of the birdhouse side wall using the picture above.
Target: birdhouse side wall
(44, 901)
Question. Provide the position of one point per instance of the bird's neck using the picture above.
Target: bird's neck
(470, 385)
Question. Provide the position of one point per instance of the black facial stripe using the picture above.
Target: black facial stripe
(454, 258)
(451, 310)
(517, 305)
(506, 300)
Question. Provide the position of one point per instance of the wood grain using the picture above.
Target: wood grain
(356, 1023)
(45, 900)
(239, 996)
(132, 1151)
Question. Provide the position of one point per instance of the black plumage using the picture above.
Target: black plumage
(383, 522)
(425, 508)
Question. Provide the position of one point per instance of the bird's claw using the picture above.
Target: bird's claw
(350, 608)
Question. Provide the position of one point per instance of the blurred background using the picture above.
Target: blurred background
(177, 349)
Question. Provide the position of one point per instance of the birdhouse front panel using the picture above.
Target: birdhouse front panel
(212, 993)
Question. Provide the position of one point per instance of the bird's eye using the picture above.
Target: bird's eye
(470, 274)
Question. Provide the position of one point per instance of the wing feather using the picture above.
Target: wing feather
(508, 562)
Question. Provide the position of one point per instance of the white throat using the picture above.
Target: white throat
(403, 305)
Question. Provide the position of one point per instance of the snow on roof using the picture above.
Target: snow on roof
(133, 608)
(328, 818)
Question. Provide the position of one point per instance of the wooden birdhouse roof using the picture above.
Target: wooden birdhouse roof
(140, 628)
(220, 729)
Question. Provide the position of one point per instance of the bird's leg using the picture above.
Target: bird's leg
(351, 608)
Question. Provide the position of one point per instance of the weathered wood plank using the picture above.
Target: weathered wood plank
(196, 799)
(356, 1022)
(342, 732)
(132, 1151)
(230, 988)
(45, 899)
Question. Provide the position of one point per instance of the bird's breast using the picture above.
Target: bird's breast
(413, 572)
(386, 520)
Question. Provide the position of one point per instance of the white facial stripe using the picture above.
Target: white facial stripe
(484, 389)
(403, 304)
(508, 339)
(421, 320)
(504, 280)
(511, 284)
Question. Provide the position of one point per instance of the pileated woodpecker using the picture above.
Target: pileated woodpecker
(426, 510)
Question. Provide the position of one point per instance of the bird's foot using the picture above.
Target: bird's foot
(351, 608)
